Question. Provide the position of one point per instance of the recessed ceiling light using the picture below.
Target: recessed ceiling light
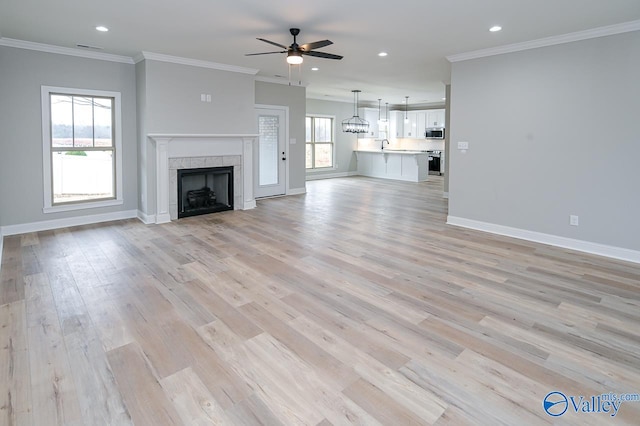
(102, 28)
(315, 69)
(382, 54)
(495, 28)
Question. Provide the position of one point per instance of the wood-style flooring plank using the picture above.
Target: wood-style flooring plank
(53, 391)
(15, 399)
(144, 398)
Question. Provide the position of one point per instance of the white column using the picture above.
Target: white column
(162, 180)
(249, 202)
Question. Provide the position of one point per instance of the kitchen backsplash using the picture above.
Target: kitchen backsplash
(409, 144)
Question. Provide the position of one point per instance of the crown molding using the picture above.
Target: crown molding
(49, 48)
(548, 41)
(193, 62)
(279, 81)
(329, 98)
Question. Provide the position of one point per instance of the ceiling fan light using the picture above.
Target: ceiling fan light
(294, 58)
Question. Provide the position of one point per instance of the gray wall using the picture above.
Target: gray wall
(22, 73)
(345, 143)
(552, 131)
(294, 98)
(170, 103)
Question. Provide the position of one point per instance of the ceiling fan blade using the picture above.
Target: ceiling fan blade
(272, 42)
(322, 55)
(264, 53)
(316, 45)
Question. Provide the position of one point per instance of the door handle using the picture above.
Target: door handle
(283, 157)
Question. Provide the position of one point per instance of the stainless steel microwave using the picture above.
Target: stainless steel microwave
(434, 133)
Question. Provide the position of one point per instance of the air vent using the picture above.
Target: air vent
(87, 46)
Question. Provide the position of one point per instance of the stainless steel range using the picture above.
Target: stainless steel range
(436, 162)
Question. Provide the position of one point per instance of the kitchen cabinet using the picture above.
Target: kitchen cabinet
(411, 125)
(396, 125)
(376, 130)
(435, 118)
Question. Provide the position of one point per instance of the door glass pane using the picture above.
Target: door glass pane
(324, 154)
(268, 150)
(61, 121)
(82, 175)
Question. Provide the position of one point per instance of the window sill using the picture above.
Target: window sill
(82, 206)
(322, 170)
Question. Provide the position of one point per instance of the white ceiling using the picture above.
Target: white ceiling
(417, 34)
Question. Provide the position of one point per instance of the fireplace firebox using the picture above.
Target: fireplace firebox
(204, 190)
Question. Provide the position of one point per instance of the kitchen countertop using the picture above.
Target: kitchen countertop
(392, 151)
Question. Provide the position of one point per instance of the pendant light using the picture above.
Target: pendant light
(379, 111)
(406, 109)
(355, 124)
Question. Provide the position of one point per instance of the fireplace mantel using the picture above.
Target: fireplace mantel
(193, 145)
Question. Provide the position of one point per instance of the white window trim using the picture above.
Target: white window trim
(46, 149)
(335, 143)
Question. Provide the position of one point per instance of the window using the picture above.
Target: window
(319, 142)
(82, 144)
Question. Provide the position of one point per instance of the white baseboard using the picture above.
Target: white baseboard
(330, 175)
(46, 225)
(248, 205)
(297, 191)
(554, 240)
(147, 219)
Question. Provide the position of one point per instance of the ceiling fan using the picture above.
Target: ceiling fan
(295, 51)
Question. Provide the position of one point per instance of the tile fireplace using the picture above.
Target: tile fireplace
(194, 151)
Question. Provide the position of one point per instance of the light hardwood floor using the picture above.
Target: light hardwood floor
(354, 303)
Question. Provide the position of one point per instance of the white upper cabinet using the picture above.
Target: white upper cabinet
(396, 124)
(371, 115)
(435, 118)
(411, 124)
(422, 124)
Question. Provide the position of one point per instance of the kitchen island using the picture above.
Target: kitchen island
(404, 165)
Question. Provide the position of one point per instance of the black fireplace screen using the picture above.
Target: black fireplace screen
(206, 190)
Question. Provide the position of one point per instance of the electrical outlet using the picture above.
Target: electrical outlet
(573, 220)
(463, 145)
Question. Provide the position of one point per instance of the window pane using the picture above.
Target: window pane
(61, 121)
(102, 116)
(82, 175)
(82, 121)
(323, 129)
(307, 123)
(309, 156)
(324, 155)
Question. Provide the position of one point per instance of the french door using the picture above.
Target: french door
(270, 167)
